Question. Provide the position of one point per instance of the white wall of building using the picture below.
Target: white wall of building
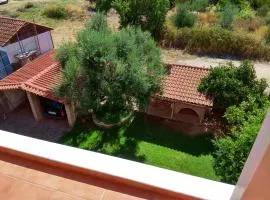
(28, 44)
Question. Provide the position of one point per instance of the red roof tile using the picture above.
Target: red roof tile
(39, 77)
(181, 85)
(9, 27)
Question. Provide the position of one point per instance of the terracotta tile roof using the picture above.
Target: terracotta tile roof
(39, 77)
(9, 27)
(181, 85)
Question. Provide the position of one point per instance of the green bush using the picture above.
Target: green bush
(231, 85)
(149, 15)
(246, 11)
(227, 15)
(216, 41)
(198, 5)
(184, 18)
(267, 19)
(56, 11)
(267, 36)
(29, 5)
(254, 3)
(232, 151)
(66, 51)
(92, 141)
(263, 11)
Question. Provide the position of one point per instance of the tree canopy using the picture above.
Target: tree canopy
(148, 14)
(231, 85)
(232, 151)
(110, 72)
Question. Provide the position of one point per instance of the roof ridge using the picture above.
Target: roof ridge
(187, 66)
(22, 20)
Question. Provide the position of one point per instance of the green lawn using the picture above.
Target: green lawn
(148, 141)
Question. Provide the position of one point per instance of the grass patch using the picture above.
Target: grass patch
(149, 141)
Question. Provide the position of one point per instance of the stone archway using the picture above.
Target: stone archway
(188, 113)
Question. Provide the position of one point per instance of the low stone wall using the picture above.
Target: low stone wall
(11, 99)
(101, 124)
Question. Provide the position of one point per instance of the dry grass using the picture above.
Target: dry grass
(66, 31)
(208, 18)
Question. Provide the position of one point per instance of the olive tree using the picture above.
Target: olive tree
(110, 72)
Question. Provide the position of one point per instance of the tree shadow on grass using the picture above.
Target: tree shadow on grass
(114, 141)
(149, 130)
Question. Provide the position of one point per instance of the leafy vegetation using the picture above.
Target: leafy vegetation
(184, 18)
(148, 14)
(56, 11)
(237, 91)
(231, 85)
(232, 151)
(197, 5)
(216, 41)
(110, 72)
(228, 28)
(149, 141)
(227, 16)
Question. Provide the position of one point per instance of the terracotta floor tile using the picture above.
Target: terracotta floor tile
(111, 195)
(27, 180)
(62, 196)
(14, 170)
(80, 189)
(26, 191)
(6, 185)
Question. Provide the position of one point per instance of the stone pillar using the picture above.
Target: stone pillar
(36, 107)
(254, 181)
(71, 113)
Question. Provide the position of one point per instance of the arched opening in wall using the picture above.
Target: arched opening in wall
(187, 115)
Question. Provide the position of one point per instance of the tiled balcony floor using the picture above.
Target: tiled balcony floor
(24, 180)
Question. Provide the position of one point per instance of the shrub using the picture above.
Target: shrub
(198, 5)
(267, 36)
(56, 11)
(248, 24)
(149, 15)
(227, 16)
(263, 11)
(29, 5)
(232, 151)
(231, 85)
(184, 18)
(254, 3)
(245, 11)
(65, 51)
(267, 19)
(92, 141)
(216, 41)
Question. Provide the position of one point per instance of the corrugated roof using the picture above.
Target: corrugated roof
(39, 77)
(9, 27)
(181, 85)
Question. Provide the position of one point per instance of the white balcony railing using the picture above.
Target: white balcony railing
(254, 182)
